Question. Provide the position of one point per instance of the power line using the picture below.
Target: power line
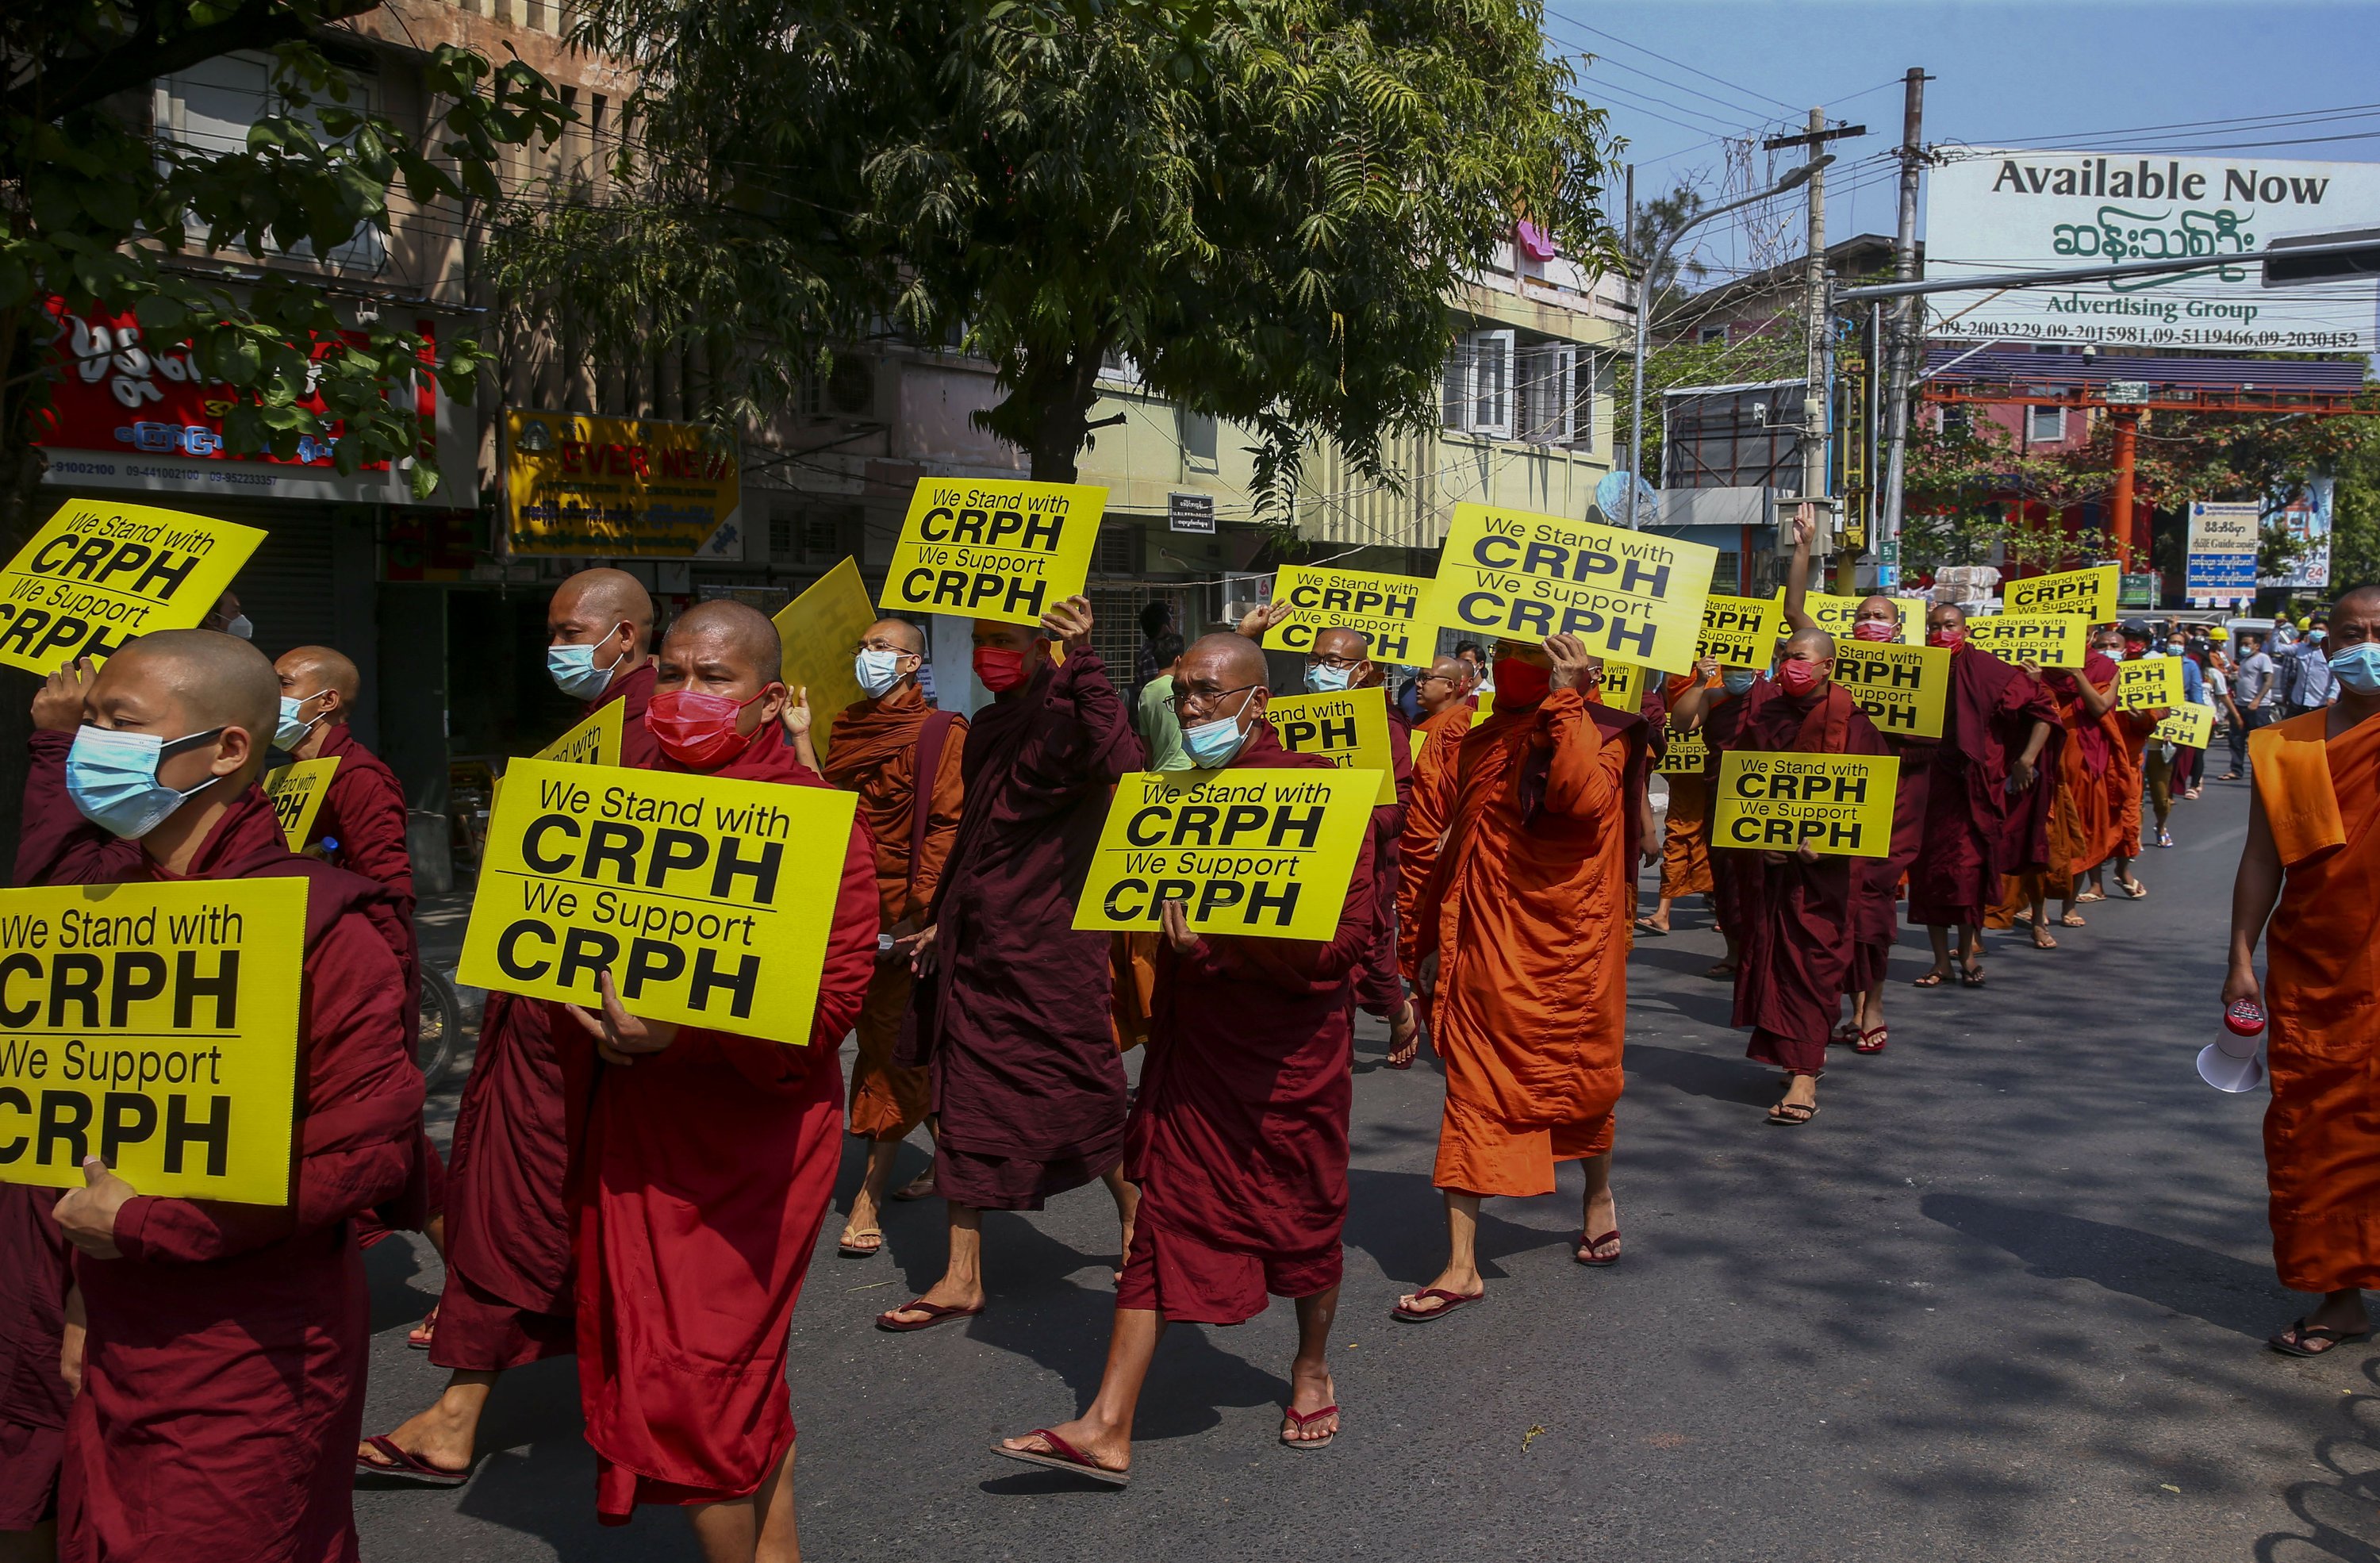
(1656, 54)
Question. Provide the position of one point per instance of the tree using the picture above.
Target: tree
(107, 218)
(1654, 223)
(1264, 206)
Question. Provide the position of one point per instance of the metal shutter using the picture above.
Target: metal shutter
(284, 589)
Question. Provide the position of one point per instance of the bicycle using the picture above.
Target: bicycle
(442, 1027)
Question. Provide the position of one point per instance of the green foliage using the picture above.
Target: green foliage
(110, 218)
(1777, 354)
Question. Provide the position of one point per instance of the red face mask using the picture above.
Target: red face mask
(1797, 677)
(1950, 638)
(1000, 668)
(695, 730)
(1875, 629)
(1521, 684)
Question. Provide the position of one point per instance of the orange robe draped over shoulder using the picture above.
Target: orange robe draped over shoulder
(2321, 988)
(1529, 912)
(1685, 837)
(1427, 808)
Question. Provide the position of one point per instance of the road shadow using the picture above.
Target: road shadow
(404, 1280)
(2341, 1508)
(1721, 1078)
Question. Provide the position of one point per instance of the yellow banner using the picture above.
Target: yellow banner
(2145, 683)
(1740, 632)
(1521, 576)
(2090, 594)
(1620, 685)
(1261, 853)
(709, 899)
(298, 790)
(984, 550)
(154, 1026)
(595, 741)
(2190, 726)
(1350, 729)
(99, 574)
(619, 487)
(1687, 754)
(1387, 608)
(2058, 640)
(1902, 688)
(1834, 615)
(822, 630)
(1840, 805)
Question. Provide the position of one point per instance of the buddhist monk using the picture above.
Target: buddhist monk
(1716, 710)
(1444, 693)
(1239, 1137)
(1027, 1088)
(1341, 659)
(1983, 819)
(36, 1281)
(710, 1160)
(1804, 914)
(223, 1382)
(2308, 876)
(879, 748)
(2081, 823)
(1524, 955)
(507, 1299)
(2127, 768)
(1685, 832)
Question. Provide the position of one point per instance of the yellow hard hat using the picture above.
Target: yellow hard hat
(2305, 623)
(2218, 633)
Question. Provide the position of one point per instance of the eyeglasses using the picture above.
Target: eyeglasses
(1434, 678)
(1182, 700)
(1318, 660)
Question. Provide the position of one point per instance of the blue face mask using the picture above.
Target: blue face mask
(112, 779)
(574, 672)
(1735, 681)
(2358, 667)
(876, 671)
(1321, 678)
(1211, 745)
(292, 727)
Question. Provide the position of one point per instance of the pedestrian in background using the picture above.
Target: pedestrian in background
(2252, 700)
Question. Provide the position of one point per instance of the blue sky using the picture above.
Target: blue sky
(2012, 73)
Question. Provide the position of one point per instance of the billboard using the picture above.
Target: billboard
(1997, 211)
(619, 487)
(2222, 561)
(2307, 519)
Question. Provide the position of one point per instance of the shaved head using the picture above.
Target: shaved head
(1227, 660)
(1445, 681)
(1877, 605)
(1811, 645)
(1946, 615)
(602, 600)
(899, 635)
(319, 667)
(1339, 641)
(210, 679)
(2363, 601)
(742, 631)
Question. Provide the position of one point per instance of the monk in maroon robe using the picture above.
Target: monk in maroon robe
(710, 1160)
(1802, 915)
(1985, 816)
(1716, 710)
(1014, 1020)
(507, 1298)
(223, 1382)
(36, 1277)
(1238, 1141)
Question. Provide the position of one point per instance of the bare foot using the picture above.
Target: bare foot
(1102, 1447)
(1601, 1225)
(1404, 1037)
(2041, 939)
(1310, 1389)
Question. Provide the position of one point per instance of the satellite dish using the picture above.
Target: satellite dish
(1611, 498)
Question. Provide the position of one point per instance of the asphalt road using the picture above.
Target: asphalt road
(2005, 1297)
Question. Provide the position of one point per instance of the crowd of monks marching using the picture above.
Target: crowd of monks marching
(183, 1379)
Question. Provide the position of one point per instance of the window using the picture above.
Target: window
(1710, 336)
(1198, 441)
(2045, 425)
(209, 107)
(1118, 366)
(1477, 397)
(806, 535)
(845, 388)
(1118, 551)
(1727, 576)
(1548, 394)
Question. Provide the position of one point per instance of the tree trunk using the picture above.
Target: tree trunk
(1061, 422)
(23, 508)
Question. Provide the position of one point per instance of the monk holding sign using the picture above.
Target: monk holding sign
(1238, 1141)
(1028, 1091)
(1448, 708)
(2079, 830)
(710, 1160)
(1524, 953)
(224, 1379)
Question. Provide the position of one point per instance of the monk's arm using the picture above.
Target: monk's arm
(1797, 575)
(55, 844)
(369, 826)
(2096, 702)
(1584, 779)
(769, 1063)
(1112, 750)
(944, 808)
(2255, 890)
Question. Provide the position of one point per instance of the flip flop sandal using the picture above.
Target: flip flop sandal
(2073, 920)
(1301, 1420)
(1970, 977)
(1446, 1303)
(403, 1466)
(1845, 1035)
(2089, 896)
(935, 1314)
(1782, 1114)
(910, 1190)
(1063, 1456)
(420, 1335)
(850, 1250)
(1409, 1049)
(2135, 890)
(2042, 939)
(1588, 1245)
(2305, 1332)
(1931, 979)
(1872, 1040)
(1650, 930)
(1720, 972)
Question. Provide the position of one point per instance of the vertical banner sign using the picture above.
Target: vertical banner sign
(2088, 594)
(2223, 538)
(154, 1026)
(1686, 754)
(1262, 854)
(1902, 688)
(1386, 609)
(1633, 597)
(297, 791)
(99, 575)
(1836, 615)
(822, 630)
(1838, 805)
(1349, 728)
(2058, 640)
(1620, 685)
(2190, 726)
(1740, 632)
(1005, 551)
(2149, 684)
(707, 899)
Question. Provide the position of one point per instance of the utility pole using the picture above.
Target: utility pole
(1902, 354)
(1817, 315)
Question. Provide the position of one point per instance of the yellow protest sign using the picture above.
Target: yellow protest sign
(1261, 853)
(154, 1026)
(1836, 615)
(619, 487)
(820, 630)
(99, 574)
(1009, 550)
(1902, 688)
(707, 899)
(1620, 685)
(1684, 753)
(2146, 684)
(1349, 728)
(2090, 594)
(297, 791)
(595, 741)
(1841, 806)
(1634, 595)
(1740, 632)
(2190, 726)
(1387, 608)
(2054, 640)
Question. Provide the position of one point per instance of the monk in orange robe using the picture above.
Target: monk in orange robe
(878, 748)
(2127, 773)
(2081, 826)
(1525, 928)
(2312, 866)
(1685, 836)
(1448, 706)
